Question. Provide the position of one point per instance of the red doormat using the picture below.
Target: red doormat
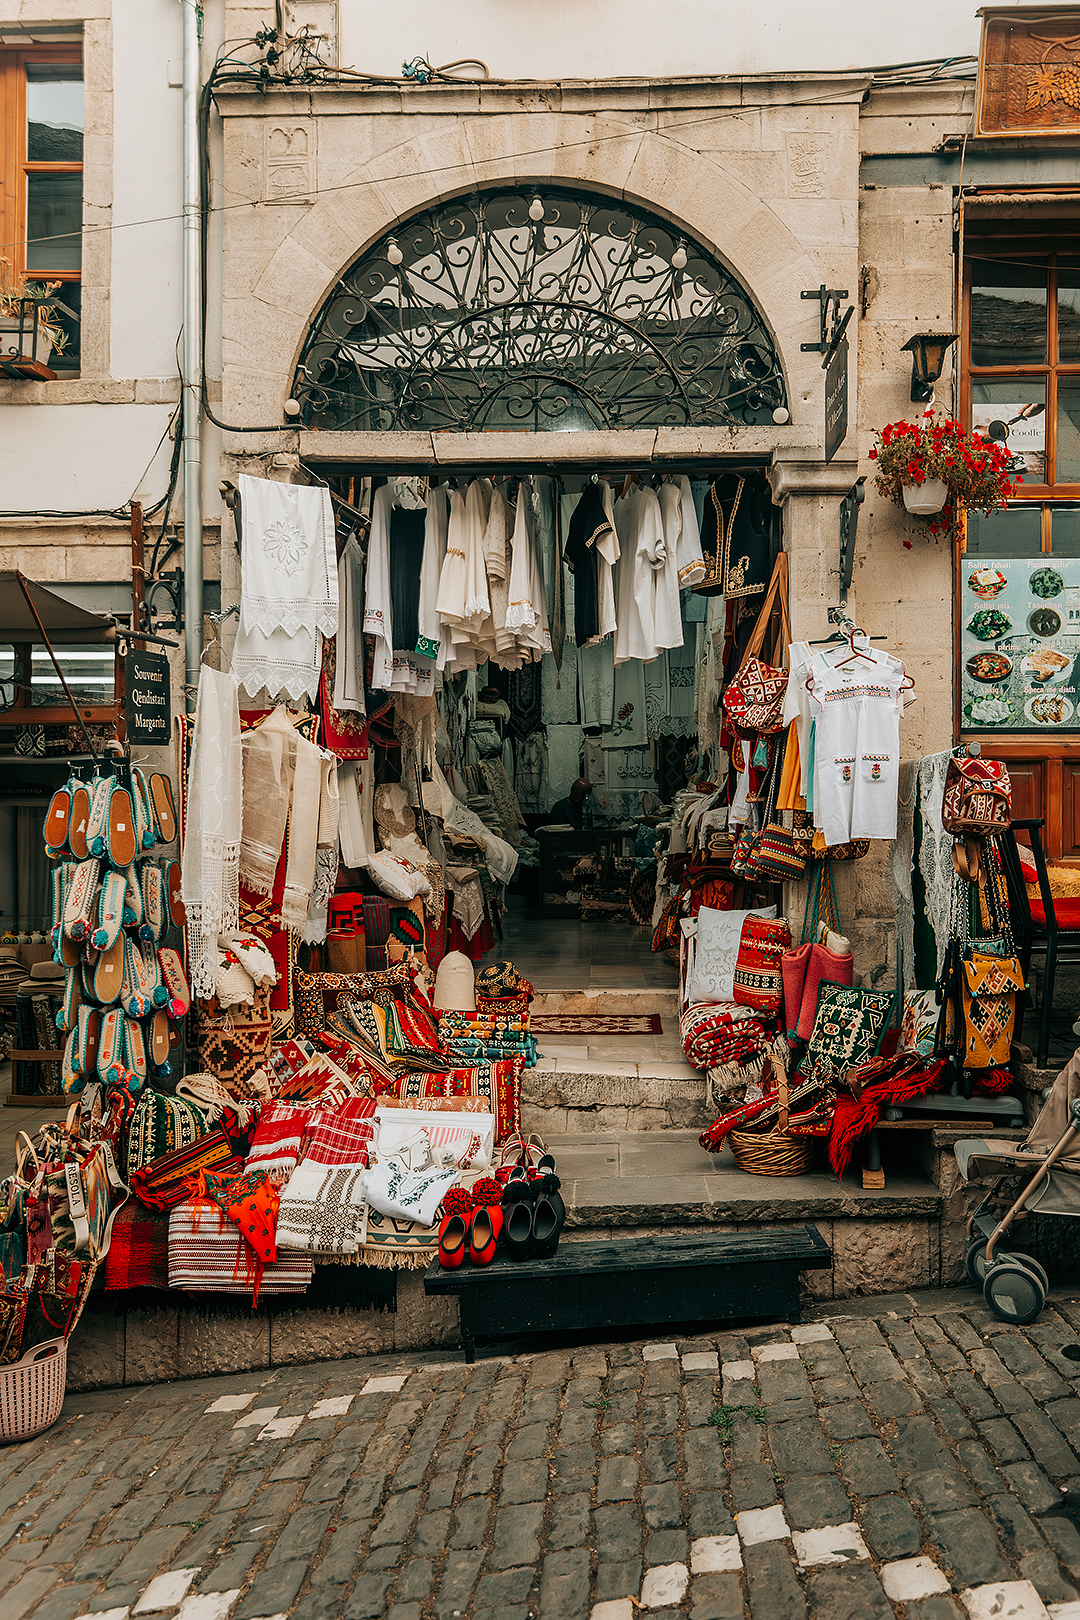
(596, 1024)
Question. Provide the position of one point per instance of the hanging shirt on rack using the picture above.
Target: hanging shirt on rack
(643, 553)
(431, 640)
(349, 644)
(856, 704)
(396, 668)
(588, 523)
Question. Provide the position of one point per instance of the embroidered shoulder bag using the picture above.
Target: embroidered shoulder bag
(754, 699)
(977, 797)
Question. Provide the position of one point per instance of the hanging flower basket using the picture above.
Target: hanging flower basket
(934, 468)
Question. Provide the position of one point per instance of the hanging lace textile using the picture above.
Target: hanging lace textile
(326, 851)
(289, 586)
(210, 862)
(349, 648)
(356, 789)
(304, 812)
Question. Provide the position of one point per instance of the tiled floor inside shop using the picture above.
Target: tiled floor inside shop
(554, 954)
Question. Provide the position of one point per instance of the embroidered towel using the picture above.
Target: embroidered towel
(210, 863)
(289, 586)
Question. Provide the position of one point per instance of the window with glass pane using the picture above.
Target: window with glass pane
(42, 122)
(1008, 315)
(1013, 414)
(1008, 532)
(89, 672)
(1065, 530)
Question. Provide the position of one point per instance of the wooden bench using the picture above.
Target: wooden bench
(634, 1282)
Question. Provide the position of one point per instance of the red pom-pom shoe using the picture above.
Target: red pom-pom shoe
(453, 1236)
(484, 1230)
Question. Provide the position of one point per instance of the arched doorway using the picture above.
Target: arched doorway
(537, 309)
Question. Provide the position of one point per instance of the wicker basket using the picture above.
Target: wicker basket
(773, 1153)
(32, 1391)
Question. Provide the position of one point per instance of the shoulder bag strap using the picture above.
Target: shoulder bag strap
(778, 580)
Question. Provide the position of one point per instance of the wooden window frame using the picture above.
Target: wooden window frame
(14, 164)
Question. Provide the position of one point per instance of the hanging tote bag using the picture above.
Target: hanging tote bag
(977, 797)
(754, 699)
(780, 855)
(988, 990)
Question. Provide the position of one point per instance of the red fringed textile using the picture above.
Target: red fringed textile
(809, 1102)
(855, 1117)
(991, 1082)
(138, 1254)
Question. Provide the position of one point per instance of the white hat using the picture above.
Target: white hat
(455, 985)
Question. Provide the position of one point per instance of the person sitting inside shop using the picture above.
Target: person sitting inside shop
(572, 808)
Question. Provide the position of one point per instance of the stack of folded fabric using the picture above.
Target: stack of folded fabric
(717, 1033)
(479, 1036)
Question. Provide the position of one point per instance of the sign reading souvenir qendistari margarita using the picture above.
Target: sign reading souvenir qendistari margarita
(1029, 71)
(1020, 644)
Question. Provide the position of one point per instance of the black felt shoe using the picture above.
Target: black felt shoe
(517, 1232)
(547, 1225)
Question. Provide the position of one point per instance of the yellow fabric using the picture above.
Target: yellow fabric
(988, 992)
(789, 797)
(1064, 883)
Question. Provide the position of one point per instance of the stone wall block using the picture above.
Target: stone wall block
(423, 1321)
(95, 1357)
(294, 280)
(723, 138)
(300, 1336)
(150, 1347)
(212, 1344)
(879, 1257)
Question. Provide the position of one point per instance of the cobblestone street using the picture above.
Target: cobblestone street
(862, 1466)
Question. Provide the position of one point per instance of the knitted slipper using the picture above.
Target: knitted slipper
(145, 821)
(159, 990)
(61, 877)
(71, 1077)
(97, 824)
(136, 1049)
(123, 844)
(68, 1015)
(80, 908)
(143, 988)
(159, 1043)
(109, 971)
(87, 1038)
(153, 901)
(133, 904)
(57, 822)
(177, 909)
(172, 971)
(112, 1050)
(79, 821)
(162, 800)
(110, 910)
(88, 962)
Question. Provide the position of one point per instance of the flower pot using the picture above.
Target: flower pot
(9, 339)
(927, 498)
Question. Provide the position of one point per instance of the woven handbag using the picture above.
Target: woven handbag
(977, 797)
(779, 855)
(754, 699)
(988, 989)
(853, 850)
(234, 1044)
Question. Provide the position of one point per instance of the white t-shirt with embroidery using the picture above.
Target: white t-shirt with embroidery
(857, 709)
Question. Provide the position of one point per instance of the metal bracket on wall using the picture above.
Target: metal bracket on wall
(849, 523)
(830, 299)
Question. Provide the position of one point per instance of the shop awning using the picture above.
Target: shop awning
(63, 622)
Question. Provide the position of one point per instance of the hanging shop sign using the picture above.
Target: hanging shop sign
(1029, 72)
(836, 400)
(147, 699)
(1020, 644)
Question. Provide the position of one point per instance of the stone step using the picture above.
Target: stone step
(614, 1001)
(576, 1097)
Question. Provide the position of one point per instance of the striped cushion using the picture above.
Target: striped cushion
(208, 1255)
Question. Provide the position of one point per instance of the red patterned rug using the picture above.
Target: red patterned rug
(596, 1024)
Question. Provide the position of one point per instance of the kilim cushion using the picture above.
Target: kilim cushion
(161, 1125)
(919, 1025)
(318, 994)
(758, 980)
(848, 1027)
(499, 1083)
(234, 1044)
(719, 1032)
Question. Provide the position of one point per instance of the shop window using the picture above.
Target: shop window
(41, 180)
(28, 678)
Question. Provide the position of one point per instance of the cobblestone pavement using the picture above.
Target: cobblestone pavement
(855, 1468)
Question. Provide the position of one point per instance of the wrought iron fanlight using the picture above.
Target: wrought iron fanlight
(489, 313)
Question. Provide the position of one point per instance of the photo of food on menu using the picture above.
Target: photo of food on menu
(1020, 648)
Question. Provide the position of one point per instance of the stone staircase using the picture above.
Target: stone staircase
(587, 1082)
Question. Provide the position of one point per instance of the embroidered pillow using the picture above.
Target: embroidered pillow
(758, 980)
(716, 951)
(848, 1028)
(396, 877)
(464, 1140)
(318, 994)
(495, 1083)
(919, 1024)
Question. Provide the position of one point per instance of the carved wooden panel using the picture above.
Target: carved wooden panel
(1029, 72)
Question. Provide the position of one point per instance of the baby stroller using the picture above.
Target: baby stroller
(1014, 1285)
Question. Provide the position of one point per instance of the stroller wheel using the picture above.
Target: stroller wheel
(1032, 1265)
(1013, 1293)
(975, 1260)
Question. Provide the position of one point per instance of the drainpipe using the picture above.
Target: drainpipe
(191, 374)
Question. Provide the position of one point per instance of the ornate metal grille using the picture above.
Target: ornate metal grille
(497, 320)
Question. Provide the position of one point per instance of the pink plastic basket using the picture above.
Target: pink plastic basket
(32, 1391)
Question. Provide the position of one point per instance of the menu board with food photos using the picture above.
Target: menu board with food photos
(1020, 644)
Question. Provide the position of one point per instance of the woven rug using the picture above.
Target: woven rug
(596, 1024)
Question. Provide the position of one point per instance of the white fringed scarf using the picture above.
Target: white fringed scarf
(210, 863)
(269, 762)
